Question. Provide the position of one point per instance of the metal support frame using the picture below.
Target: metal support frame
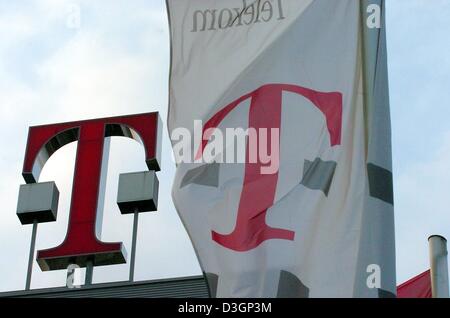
(137, 193)
(31, 255)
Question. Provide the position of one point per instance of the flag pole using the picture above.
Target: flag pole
(439, 266)
(370, 38)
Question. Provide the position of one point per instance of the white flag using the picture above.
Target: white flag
(279, 119)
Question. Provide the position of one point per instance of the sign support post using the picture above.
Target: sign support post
(439, 266)
(31, 255)
(133, 244)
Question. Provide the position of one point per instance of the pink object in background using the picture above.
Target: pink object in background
(416, 287)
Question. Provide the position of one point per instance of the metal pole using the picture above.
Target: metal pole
(439, 266)
(31, 255)
(89, 273)
(133, 243)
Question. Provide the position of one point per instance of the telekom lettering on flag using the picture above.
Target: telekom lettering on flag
(282, 140)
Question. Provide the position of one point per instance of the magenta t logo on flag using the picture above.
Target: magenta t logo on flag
(259, 189)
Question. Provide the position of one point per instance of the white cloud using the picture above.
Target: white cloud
(95, 71)
(423, 201)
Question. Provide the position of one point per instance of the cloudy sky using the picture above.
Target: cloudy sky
(115, 61)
